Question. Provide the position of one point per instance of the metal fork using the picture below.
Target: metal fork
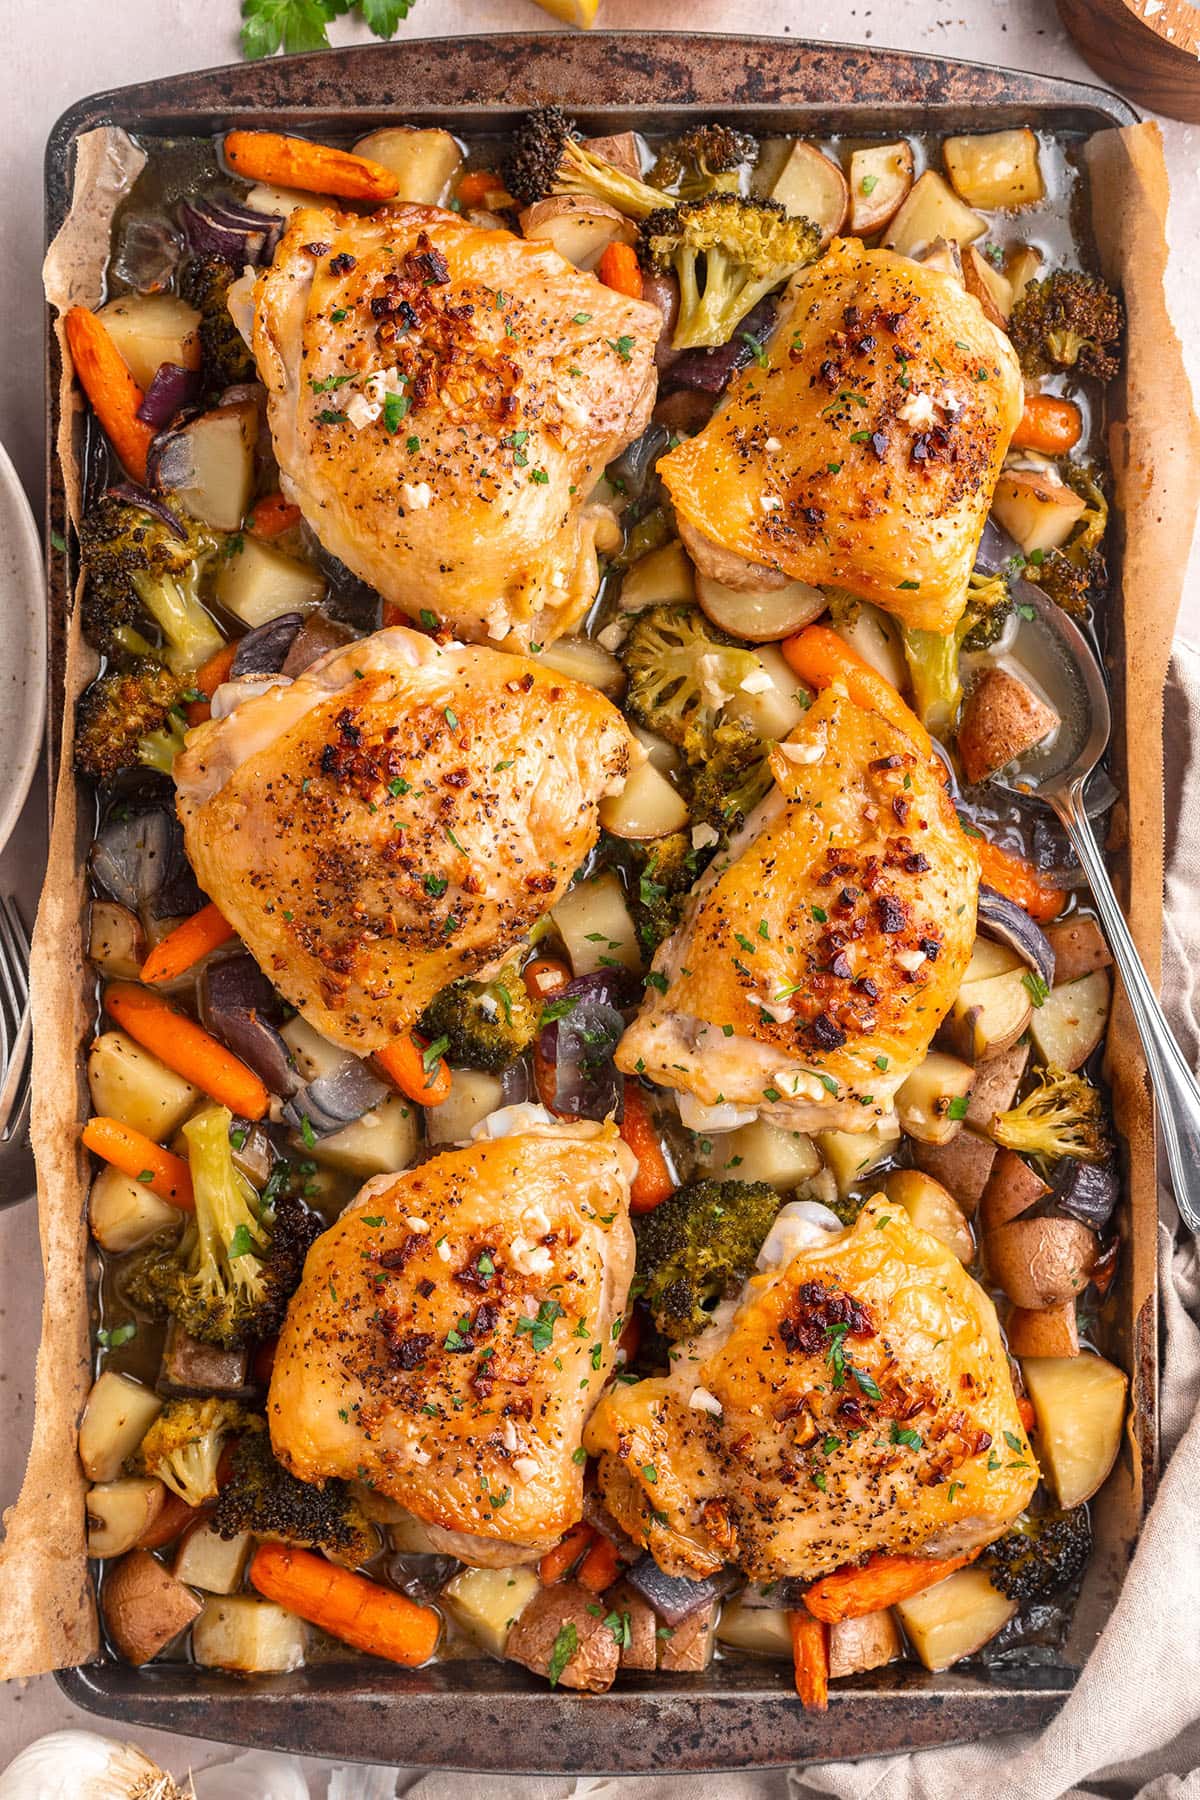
(16, 1055)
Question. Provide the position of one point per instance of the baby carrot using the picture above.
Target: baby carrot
(881, 1581)
(482, 187)
(271, 516)
(187, 1048)
(618, 269)
(173, 1517)
(313, 168)
(182, 948)
(544, 976)
(600, 1567)
(114, 394)
(652, 1184)
(820, 657)
(207, 680)
(407, 1063)
(1019, 881)
(810, 1659)
(1048, 424)
(348, 1606)
(138, 1156)
(563, 1557)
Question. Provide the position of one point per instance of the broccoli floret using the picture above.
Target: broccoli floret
(139, 569)
(1062, 1116)
(1068, 321)
(1068, 575)
(230, 1276)
(1041, 1554)
(226, 358)
(932, 656)
(666, 870)
(482, 1024)
(704, 160)
(130, 716)
(733, 779)
(745, 247)
(681, 672)
(184, 1444)
(263, 1497)
(698, 1247)
(547, 158)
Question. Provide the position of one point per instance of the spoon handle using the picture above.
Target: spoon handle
(1174, 1085)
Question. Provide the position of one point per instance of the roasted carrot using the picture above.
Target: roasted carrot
(136, 1155)
(271, 516)
(114, 394)
(557, 1562)
(820, 657)
(184, 947)
(1048, 424)
(618, 269)
(630, 1340)
(545, 1077)
(1025, 1408)
(483, 187)
(348, 1606)
(544, 976)
(810, 1659)
(207, 680)
(653, 1183)
(174, 1516)
(313, 168)
(881, 1581)
(187, 1048)
(1019, 881)
(600, 1567)
(408, 1065)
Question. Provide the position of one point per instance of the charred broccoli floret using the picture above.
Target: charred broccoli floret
(698, 1247)
(704, 160)
(932, 656)
(728, 252)
(547, 158)
(226, 359)
(734, 777)
(1041, 1554)
(140, 570)
(681, 672)
(1062, 1116)
(130, 716)
(1068, 575)
(262, 1497)
(1068, 321)
(666, 870)
(482, 1024)
(230, 1276)
(184, 1444)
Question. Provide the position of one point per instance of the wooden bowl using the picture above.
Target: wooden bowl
(1148, 49)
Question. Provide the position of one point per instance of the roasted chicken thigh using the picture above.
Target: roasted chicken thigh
(453, 1331)
(864, 451)
(395, 818)
(442, 399)
(820, 954)
(856, 1398)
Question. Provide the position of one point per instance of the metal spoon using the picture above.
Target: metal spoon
(1057, 774)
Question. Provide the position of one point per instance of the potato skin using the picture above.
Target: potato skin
(1013, 1187)
(1053, 1331)
(1002, 718)
(1041, 1262)
(1079, 948)
(144, 1606)
(964, 1166)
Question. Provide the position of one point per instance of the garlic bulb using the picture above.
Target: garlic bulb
(81, 1765)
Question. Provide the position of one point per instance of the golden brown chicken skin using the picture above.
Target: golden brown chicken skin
(864, 453)
(820, 954)
(442, 399)
(858, 1399)
(395, 818)
(453, 1331)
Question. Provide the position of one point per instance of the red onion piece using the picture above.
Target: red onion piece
(172, 388)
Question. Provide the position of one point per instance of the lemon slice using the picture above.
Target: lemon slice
(572, 12)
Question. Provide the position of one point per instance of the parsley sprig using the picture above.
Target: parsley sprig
(296, 25)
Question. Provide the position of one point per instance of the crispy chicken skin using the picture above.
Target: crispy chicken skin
(766, 1447)
(819, 957)
(865, 452)
(454, 1329)
(396, 817)
(515, 378)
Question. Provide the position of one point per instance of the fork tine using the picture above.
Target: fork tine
(18, 944)
(10, 964)
(14, 1091)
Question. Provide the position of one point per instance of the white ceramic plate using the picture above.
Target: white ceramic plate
(22, 647)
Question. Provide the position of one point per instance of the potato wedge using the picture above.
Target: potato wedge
(880, 178)
(582, 659)
(116, 1417)
(1041, 1262)
(1022, 265)
(761, 618)
(144, 1607)
(116, 941)
(930, 1207)
(1078, 945)
(488, 1602)
(990, 958)
(812, 186)
(248, 1636)
(777, 700)
(208, 464)
(932, 210)
(152, 329)
(875, 636)
(963, 1166)
(688, 1649)
(945, 256)
(991, 288)
(423, 162)
(594, 924)
(996, 1084)
(849, 1155)
(189, 1366)
(1045, 1331)
(760, 1152)
(383, 1140)
(123, 1214)
(932, 1103)
(579, 229)
(647, 807)
(257, 582)
(995, 169)
(1071, 1020)
(128, 1083)
(1038, 512)
(988, 1017)
(1002, 719)
(756, 1630)
(473, 1095)
(1079, 1404)
(1013, 1187)
(213, 1563)
(658, 578)
(620, 148)
(118, 1512)
(856, 1645)
(954, 1618)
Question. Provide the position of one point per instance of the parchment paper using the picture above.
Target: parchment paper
(47, 1618)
